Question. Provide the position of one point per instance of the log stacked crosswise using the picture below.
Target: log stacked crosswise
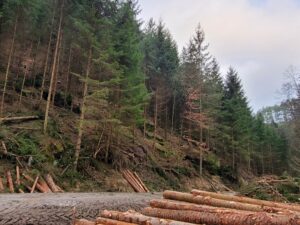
(201, 207)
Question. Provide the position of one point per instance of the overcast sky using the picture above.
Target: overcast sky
(259, 38)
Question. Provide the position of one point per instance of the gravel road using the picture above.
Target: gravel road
(60, 209)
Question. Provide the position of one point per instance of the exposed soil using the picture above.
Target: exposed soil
(61, 209)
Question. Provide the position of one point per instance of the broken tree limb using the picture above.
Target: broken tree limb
(10, 184)
(138, 218)
(51, 183)
(1, 185)
(4, 148)
(38, 186)
(185, 197)
(21, 118)
(222, 218)
(106, 221)
(246, 200)
(34, 184)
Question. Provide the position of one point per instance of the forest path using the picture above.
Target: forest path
(50, 209)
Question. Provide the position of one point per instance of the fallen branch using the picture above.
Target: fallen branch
(21, 118)
(1, 185)
(18, 176)
(38, 186)
(34, 184)
(4, 148)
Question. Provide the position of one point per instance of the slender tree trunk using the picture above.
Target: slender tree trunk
(25, 75)
(173, 114)
(82, 113)
(67, 88)
(262, 163)
(8, 66)
(60, 50)
(166, 121)
(34, 66)
(155, 118)
(53, 69)
(201, 132)
(145, 121)
(47, 58)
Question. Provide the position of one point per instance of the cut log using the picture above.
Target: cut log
(18, 176)
(51, 183)
(21, 191)
(4, 148)
(1, 185)
(139, 185)
(83, 222)
(38, 186)
(246, 200)
(10, 183)
(21, 118)
(45, 186)
(141, 182)
(185, 197)
(106, 221)
(34, 184)
(138, 218)
(222, 218)
(131, 182)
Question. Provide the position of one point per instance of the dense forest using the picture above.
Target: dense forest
(109, 88)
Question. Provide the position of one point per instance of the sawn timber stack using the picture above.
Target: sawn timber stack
(200, 207)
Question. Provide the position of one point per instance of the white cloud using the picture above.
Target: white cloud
(259, 38)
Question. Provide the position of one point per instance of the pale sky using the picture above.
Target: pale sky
(259, 38)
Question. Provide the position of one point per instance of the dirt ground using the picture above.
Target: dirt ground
(61, 209)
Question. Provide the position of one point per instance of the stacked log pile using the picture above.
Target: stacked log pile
(21, 182)
(200, 207)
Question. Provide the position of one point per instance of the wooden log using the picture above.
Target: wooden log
(141, 182)
(138, 218)
(10, 183)
(38, 186)
(132, 178)
(130, 181)
(185, 197)
(106, 221)
(60, 189)
(34, 184)
(83, 222)
(18, 176)
(21, 191)
(45, 186)
(1, 185)
(51, 183)
(222, 218)
(21, 118)
(246, 200)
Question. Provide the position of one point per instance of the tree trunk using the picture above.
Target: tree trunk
(68, 82)
(1, 185)
(173, 114)
(155, 119)
(106, 221)
(47, 58)
(82, 114)
(25, 75)
(34, 184)
(51, 183)
(246, 200)
(53, 69)
(8, 66)
(18, 183)
(34, 65)
(134, 217)
(221, 218)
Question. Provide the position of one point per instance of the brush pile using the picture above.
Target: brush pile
(200, 207)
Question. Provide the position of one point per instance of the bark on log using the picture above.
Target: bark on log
(21, 191)
(38, 186)
(185, 197)
(10, 119)
(139, 185)
(138, 218)
(45, 186)
(131, 182)
(1, 185)
(10, 183)
(106, 221)
(51, 183)
(222, 218)
(34, 184)
(83, 222)
(246, 200)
